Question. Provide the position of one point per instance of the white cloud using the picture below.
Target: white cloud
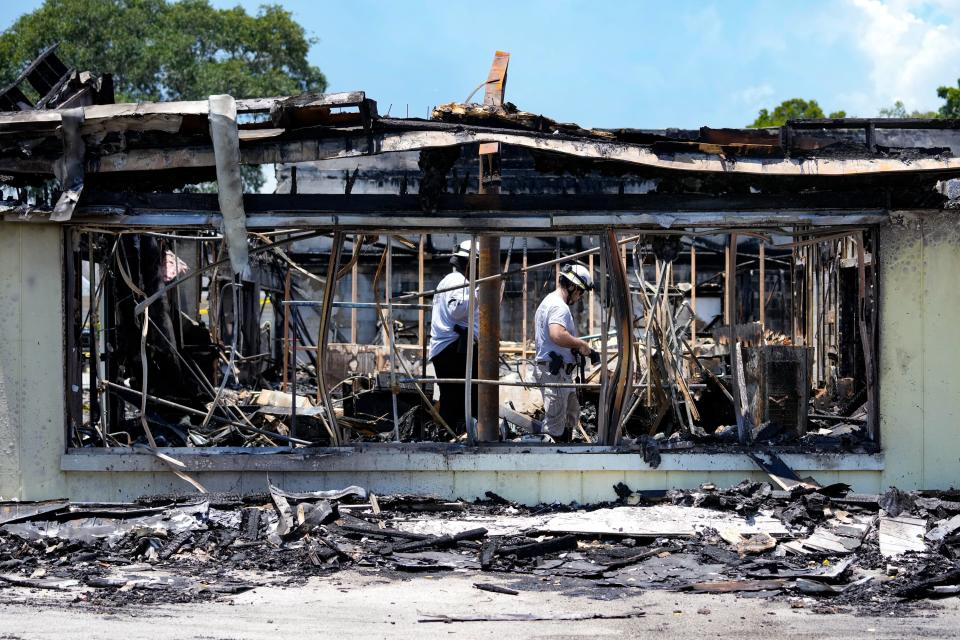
(755, 97)
(912, 46)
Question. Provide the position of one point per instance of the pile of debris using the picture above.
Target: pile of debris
(808, 544)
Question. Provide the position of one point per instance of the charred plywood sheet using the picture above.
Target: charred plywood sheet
(778, 388)
(902, 534)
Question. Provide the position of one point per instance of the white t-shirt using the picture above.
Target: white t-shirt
(450, 308)
(553, 310)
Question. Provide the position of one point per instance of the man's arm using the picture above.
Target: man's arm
(563, 338)
(459, 304)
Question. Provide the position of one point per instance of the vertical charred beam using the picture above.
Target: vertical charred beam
(523, 321)
(763, 286)
(867, 333)
(113, 406)
(469, 375)
(488, 362)
(488, 357)
(421, 318)
(874, 311)
(736, 363)
(693, 295)
(286, 332)
(621, 378)
(74, 354)
(94, 332)
(323, 337)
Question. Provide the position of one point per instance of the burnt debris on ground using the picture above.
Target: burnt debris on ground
(820, 546)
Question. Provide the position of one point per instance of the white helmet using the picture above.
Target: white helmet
(578, 275)
(463, 251)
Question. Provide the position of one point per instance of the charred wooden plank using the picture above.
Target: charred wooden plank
(382, 533)
(174, 544)
(250, 523)
(493, 588)
(446, 540)
(536, 549)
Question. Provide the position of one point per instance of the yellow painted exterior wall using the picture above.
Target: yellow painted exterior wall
(920, 350)
(31, 361)
(919, 359)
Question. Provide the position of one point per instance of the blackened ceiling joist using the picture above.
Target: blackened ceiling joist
(479, 213)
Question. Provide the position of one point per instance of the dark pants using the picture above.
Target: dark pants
(451, 363)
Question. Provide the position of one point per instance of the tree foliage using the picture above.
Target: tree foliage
(951, 106)
(792, 109)
(160, 50)
(898, 110)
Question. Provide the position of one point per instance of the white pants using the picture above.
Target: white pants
(560, 405)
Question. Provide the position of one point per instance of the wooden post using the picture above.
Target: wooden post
(354, 288)
(652, 311)
(605, 393)
(726, 282)
(382, 356)
(293, 381)
(693, 296)
(199, 253)
(318, 347)
(323, 337)
(736, 364)
(873, 373)
(471, 308)
(488, 360)
(591, 298)
(763, 287)
(488, 297)
(394, 389)
(523, 327)
(94, 367)
(286, 331)
(808, 275)
(812, 272)
(421, 315)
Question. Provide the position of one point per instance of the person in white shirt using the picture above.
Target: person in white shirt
(448, 347)
(556, 339)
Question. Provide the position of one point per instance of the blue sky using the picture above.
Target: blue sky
(634, 64)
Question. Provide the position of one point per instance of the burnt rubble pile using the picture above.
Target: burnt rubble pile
(822, 546)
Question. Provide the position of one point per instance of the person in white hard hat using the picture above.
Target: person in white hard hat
(448, 349)
(557, 342)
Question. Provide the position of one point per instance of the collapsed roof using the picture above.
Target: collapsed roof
(163, 145)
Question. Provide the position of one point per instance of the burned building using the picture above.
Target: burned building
(784, 290)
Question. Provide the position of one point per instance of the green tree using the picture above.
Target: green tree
(792, 109)
(898, 110)
(161, 50)
(951, 108)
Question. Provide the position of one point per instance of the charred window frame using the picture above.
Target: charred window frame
(831, 305)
